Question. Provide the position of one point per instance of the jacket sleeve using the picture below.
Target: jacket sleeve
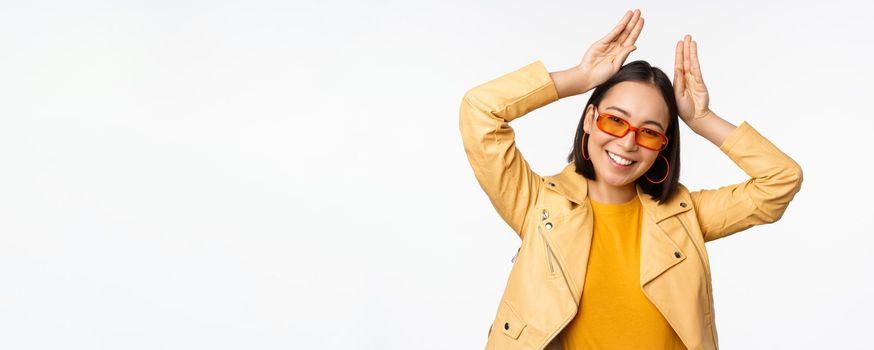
(489, 141)
(775, 178)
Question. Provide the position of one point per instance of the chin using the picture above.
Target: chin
(618, 182)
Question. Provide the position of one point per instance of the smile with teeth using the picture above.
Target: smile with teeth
(619, 160)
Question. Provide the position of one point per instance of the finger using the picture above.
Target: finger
(632, 38)
(696, 66)
(618, 29)
(686, 43)
(620, 58)
(629, 26)
(679, 85)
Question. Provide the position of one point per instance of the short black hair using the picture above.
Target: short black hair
(639, 71)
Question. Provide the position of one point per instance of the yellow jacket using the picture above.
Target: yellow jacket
(553, 217)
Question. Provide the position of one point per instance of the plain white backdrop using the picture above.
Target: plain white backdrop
(290, 175)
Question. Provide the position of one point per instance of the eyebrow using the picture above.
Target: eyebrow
(620, 110)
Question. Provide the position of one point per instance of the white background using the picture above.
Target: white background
(275, 175)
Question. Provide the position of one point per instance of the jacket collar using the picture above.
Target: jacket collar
(575, 188)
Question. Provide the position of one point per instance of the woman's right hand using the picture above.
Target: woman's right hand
(602, 59)
(606, 56)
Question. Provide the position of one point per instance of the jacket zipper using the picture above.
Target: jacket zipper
(548, 250)
(552, 270)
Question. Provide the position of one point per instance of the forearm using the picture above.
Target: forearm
(774, 180)
(569, 82)
(712, 128)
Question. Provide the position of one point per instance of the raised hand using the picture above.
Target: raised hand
(606, 56)
(692, 97)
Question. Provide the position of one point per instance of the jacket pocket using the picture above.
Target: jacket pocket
(509, 321)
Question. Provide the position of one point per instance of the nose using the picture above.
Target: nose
(629, 141)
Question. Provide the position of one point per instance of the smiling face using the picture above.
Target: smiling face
(642, 105)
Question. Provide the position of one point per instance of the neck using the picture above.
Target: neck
(605, 193)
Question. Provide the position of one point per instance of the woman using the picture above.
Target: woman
(612, 253)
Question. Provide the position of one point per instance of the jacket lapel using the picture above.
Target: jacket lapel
(658, 252)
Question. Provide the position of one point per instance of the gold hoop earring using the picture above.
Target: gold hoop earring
(667, 165)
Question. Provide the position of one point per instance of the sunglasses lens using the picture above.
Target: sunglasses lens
(612, 125)
(651, 139)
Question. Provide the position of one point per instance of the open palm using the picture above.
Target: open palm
(691, 93)
(606, 56)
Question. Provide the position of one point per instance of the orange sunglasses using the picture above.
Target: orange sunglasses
(619, 127)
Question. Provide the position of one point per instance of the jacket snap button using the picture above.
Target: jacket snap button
(506, 325)
(683, 204)
(677, 254)
(545, 215)
(548, 226)
(552, 184)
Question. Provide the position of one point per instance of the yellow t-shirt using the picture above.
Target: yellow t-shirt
(614, 312)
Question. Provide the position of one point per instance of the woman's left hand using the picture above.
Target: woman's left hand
(691, 93)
